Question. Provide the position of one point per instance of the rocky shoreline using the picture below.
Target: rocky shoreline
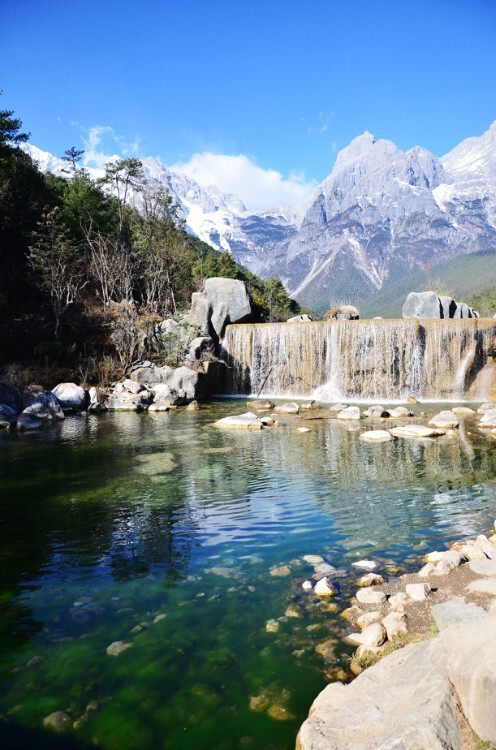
(429, 637)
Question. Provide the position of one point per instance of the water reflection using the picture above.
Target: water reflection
(162, 529)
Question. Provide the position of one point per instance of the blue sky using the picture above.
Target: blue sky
(257, 97)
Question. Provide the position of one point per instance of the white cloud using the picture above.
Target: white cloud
(100, 143)
(258, 188)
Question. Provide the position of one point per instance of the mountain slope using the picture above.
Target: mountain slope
(381, 215)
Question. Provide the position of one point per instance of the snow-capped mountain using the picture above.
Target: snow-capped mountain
(381, 213)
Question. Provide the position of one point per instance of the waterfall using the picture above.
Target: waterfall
(371, 360)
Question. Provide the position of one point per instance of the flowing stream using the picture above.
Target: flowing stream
(187, 542)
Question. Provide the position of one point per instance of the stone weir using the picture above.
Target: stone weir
(373, 360)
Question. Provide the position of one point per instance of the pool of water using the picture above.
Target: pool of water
(161, 531)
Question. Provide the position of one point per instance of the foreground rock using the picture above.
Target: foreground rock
(351, 412)
(247, 421)
(45, 407)
(408, 700)
(71, 397)
(416, 431)
(446, 419)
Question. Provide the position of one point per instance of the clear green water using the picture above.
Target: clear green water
(109, 522)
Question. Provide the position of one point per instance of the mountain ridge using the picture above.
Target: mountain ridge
(380, 214)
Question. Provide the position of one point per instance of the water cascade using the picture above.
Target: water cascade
(372, 360)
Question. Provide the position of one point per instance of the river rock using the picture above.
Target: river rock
(418, 591)
(351, 412)
(117, 647)
(338, 407)
(324, 568)
(280, 571)
(28, 422)
(487, 406)
(324, 588)
(472, 552)
(376, 411)
(395, 625)
(288, 408)
(310, 406)
(58, 721)
(376, 436)
(488, 420)
(483, 567)
(71, 396)
(10, 396)
(416, 431)
(450, 560)
(307, 585)
(132, 386)
(172, 396)
(326, 650)
(124, 401)
(401, 411)
(463, 410)
(485, 545)
(260, 404)
(454, 611)
(194, 406)
(368, 618)
(370, 596)
(372, 635)
(445, 419)
(272, 626)
(160, 406)
(420, 686)
(304, 318)
(370, 579)
(364, 564)
(247, 421)
(483, 586)
(45, 407)
(149, 374)
(8, 416)
(313, 559)
(427, 570)
(471, 665)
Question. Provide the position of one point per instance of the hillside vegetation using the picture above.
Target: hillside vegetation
(77, 262)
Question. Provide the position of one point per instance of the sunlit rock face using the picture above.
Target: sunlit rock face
(381, 360)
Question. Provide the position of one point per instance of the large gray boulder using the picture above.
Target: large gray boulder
(124, 401)
(223, 301)
(408, 700)
(8, 416)
(71, 397)
(10, 396)
(430, 306)
(45, 406)
(149, 374)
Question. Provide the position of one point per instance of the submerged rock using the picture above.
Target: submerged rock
(58, 721)
(247, 421)
(117, 647)
(290, 407)
(376, 436)
(416, 431)
(260, 405)
(351, 412)
(445, 419)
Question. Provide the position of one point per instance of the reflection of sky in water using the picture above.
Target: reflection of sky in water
(107, 522)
